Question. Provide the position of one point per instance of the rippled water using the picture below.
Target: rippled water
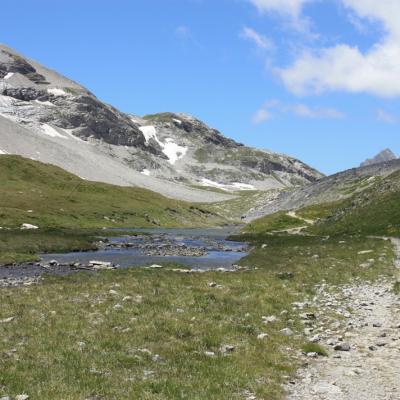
(220, 253)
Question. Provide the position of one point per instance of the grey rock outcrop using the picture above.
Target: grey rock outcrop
(172, 153)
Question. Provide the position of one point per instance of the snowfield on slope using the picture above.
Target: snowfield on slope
(232, 187)
(89, 161)
(172, 150)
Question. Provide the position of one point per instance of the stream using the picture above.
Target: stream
(196, 248)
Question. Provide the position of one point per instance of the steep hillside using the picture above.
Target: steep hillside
(48, 117)
(330, 189)
(46, 196)
(375, 211)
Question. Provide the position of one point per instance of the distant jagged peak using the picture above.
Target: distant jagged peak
(383, 156)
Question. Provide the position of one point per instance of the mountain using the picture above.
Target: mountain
(330, 189)
(384, 155)
(50, 118)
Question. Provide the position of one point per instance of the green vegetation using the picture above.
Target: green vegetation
(375, 211)
(319, 211)
(47, 196)
(69, 210)
(19, 245)
(159, 334)
(160, 117)
(152, 334)
(275, 222)
(233, 210)
(315, 348)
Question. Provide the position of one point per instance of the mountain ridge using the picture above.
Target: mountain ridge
(174, 154)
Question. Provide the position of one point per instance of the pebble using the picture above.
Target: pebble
(270, 319)
(262, 336)
(342, 347)
(287, 332)
(227, 348)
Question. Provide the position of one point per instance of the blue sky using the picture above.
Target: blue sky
(317, 79)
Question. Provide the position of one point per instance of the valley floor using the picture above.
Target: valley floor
(160, 334)
(368, 369)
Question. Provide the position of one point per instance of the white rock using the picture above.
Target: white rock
(269, 319)
(287, 332)
(5, 320)
(29, 226)
(326, 388)
(262, 336)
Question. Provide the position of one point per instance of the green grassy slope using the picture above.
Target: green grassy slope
(47, 196)
(376, 211)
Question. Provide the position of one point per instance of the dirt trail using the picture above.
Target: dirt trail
(370, 370)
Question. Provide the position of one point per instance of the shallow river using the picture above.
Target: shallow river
(196, 248)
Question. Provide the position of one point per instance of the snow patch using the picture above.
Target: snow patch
(6, 101)
(178, 121)
(146, 172)
(243, 186)
(50, 131)
(4, 152)
(232, 187)
(9, 75)
(45, 103)
(57, 92)
(149, 132)
(172, 150)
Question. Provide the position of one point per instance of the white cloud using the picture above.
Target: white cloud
(260, 40)
(286, 8)
(386, 117)
(274, 107)
(289, 7)
(261, 116)
(347, 68)
(302, 110)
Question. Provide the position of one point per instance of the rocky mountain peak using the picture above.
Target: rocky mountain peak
(383, 156)
(46, 116)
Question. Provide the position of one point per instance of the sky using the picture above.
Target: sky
(315, 79)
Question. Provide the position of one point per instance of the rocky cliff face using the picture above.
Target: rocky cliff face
(78, 132)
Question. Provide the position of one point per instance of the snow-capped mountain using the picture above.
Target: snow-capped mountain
(48, 117)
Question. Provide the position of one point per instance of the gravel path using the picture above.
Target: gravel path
(366, 364)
